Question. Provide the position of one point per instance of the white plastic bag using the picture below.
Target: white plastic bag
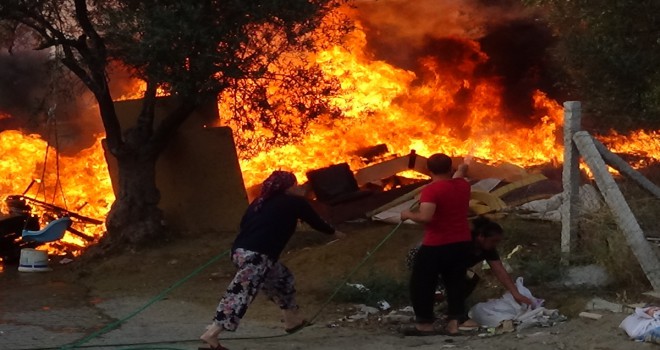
(639, 323)
(493, 312)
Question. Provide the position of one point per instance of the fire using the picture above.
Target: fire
(135, 90)
(84, 178)
(386, 104)
(644, 144)
(440, 108)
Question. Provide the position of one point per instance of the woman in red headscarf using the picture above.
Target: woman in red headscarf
(266, 227)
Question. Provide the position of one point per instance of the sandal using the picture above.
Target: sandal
(295, 329)
(219, 347)
(469, 325)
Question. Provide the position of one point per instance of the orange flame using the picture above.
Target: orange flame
(386, 104)
(381, 104)
(84, 178)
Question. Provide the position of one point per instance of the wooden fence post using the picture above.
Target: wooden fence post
(623, 216)
(570, 179)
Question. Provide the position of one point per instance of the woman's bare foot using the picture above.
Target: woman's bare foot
(211, 335)
(469, 324)
(452, 327)
(425, 327)
(291, 318)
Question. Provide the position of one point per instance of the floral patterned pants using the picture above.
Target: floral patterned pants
(255, 272)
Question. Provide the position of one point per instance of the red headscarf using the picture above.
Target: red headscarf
(276, 183)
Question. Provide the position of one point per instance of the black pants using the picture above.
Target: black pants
(448, 262)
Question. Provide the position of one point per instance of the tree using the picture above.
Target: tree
(194, 50)
(610, 49)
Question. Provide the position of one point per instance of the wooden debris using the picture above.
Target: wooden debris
(543, 189)
(480, 209)
(483, 203)
(80, 234)
(390, 168)
(406, 197)
(371, 153)
(356, 209)
(480, 171)
(591, 315)
(62, 211)
(525, 181)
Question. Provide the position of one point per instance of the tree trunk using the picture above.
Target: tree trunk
(135, 218)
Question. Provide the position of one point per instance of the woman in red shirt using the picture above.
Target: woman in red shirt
(446, 247)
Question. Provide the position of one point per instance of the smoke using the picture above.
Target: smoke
(404, 33)
(22, 87)
(517, 52)
(33, 88)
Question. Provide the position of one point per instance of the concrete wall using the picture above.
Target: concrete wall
(198, 174)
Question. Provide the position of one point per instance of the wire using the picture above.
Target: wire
(58, 182)
(157, 298)
(80, 343)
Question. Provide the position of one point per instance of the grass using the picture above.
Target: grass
(379, 286)
(599, 242)
(539, 260)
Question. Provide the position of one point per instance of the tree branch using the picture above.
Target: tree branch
(82, 15)
(169, 126)
(145, 123)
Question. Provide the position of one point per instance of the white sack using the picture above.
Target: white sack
(639, 323)
(550, 209)
(493, 312)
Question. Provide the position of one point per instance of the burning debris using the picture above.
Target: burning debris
(36, 194)
(20, 227)
(383, 189)
(451, 88)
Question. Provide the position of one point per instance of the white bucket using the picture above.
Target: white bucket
(33, 260)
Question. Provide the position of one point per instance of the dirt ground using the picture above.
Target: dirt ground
(319, 265)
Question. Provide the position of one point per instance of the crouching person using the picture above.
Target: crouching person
(486, 236)
(266, 227)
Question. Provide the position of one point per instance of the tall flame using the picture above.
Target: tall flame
(382, 104)
(84, 179)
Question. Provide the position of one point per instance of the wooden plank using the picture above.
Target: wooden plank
(373, 152)
(480, 202)
(591, 315)
(356, 209)
(476, 170)
(64, 211)
(381, 170)
(525, 181)
(480, 209)
(538, 190)
(406, 197)
(420, 165)
(622, 213)
(492, 201)
(480, 171)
